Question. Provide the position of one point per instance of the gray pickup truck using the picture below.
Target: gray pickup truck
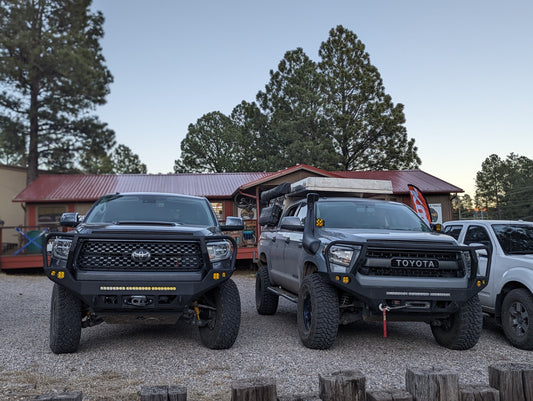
(346, 259)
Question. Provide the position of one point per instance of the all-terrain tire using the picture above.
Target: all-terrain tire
(266, 302)
(461, 330)
(517, 318)
(318, 313)
(65, 321)
(225, 320)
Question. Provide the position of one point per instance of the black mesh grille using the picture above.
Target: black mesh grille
(379, 262)
(151, 256)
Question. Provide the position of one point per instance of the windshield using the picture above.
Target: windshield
(515, 238)
(151, 208)
(377, 215)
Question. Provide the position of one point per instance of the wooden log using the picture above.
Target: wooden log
(386, 395)
(472, 392)
(348, 385)
(177, 393)
(433, 384)
(514, 380)
(154, 393)
(254, 389)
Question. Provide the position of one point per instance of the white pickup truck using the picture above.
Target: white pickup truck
(509, 294)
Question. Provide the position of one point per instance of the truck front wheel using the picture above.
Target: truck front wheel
(266, 302)
(65, 321)
(517, 312)
(461, 330)
(318, 313)
(223, 316)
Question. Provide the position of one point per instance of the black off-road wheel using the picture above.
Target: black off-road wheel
(223, 316)
(65, 321)
(461, 330)
(517, 315)
(266, 302)
(318, 313)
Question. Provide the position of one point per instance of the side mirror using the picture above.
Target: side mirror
(233, 224)
(291, 223)
(69, 219)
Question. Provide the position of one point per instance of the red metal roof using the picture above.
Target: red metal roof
(427, 183)
(86, 188)
(287, 171)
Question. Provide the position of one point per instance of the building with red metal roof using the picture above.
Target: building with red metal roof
(50, 195)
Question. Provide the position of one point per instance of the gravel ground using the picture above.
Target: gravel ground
(114, 361)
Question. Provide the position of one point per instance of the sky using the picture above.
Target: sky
(463, 69)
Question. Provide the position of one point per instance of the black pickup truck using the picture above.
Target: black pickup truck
(344, 258)
(143, 258)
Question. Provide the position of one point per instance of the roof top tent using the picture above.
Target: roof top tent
(328, 186)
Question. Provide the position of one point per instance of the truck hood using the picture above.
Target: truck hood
(152, 229)
(387, 235)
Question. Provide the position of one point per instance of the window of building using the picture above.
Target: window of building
(49, 215)
(218, 207)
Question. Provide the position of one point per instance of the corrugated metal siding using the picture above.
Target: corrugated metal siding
(79, 188)
(72, 188)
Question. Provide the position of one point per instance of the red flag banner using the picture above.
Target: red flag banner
(420, 206)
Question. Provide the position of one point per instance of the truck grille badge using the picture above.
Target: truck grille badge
(140, 255)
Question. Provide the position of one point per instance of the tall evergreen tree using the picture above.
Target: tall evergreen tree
(293, 104)
(52, 75)
(126, 162)
(211, 145)
(367, 128)
(505, 187)
(334, 114)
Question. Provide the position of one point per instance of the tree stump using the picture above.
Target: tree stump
(514, 380)
(255, 389)
(346, 385)
(177, 393)
(472, 392)
(432, 384)
(154, 393)
(386, 395)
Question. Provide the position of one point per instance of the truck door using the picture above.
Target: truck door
(284, 267)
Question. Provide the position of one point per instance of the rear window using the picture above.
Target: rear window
(515, 238)
(453, 231)
(151, 208)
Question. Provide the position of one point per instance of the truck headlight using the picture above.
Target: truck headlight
(219, 251)
(340, 257)
(61, 248)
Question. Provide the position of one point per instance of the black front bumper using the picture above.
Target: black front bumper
(119, 291)
(407, 301)
(135, 291)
